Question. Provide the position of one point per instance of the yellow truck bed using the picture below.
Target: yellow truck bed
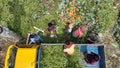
(26, 58)
(17, 57)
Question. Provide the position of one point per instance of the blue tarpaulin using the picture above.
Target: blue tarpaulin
(96, 49)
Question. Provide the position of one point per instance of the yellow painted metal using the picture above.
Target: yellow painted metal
(26, 58)
(7, 56)
(36, 46)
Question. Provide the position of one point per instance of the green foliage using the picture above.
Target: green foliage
(99, 15)
(21, 15)
(54, 57)
(106, 15)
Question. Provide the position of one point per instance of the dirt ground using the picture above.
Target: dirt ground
(7, 37)
(111, 50)
(4, 43)
(117, 1)
(112, 54)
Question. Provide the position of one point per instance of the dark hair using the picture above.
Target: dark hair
(96, 58)
(67, 42)
(68, 23)
(50, 24)
(1, 29)
(32, 35)
(96, 34)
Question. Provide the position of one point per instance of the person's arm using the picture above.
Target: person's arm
(80, 35)
(90, 40)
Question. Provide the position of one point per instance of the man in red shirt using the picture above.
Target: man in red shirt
(79, 32)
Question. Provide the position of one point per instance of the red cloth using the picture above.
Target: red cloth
(79, 31)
